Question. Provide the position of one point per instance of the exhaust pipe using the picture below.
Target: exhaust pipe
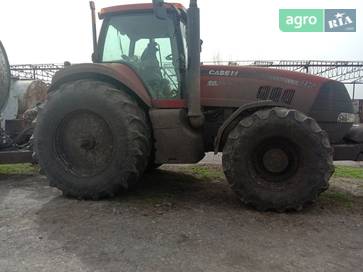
(196, 117)
(94, 32)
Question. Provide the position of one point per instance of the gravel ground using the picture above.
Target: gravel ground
(175, 222)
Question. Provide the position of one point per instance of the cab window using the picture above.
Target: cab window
(115, 46)
(149, 45)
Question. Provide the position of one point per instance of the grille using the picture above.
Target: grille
(288, 96)
(263, 92)
(275, 94)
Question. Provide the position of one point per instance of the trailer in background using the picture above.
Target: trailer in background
(20, 102)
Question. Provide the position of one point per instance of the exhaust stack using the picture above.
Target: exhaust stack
(196, 117)
(94, 31)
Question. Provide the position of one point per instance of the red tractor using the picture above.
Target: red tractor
(146, 101)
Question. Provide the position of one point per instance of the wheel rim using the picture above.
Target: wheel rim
(84, 143)
(275, 160)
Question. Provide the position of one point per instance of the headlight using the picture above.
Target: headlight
(345, 117)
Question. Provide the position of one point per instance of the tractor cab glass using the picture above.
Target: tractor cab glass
(150, 46)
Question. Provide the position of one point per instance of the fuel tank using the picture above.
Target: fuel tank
(23, 96)
(323, 99)
(4, 77)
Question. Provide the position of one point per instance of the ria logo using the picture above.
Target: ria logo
(340, 20)
(317, 20)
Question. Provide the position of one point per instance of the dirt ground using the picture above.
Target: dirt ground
(182, 219)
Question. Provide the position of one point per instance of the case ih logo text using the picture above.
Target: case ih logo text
(226, 73)
(317, 20)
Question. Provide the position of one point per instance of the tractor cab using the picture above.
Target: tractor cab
(155, 47)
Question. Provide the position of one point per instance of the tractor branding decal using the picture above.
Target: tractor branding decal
(226, 73)
(213, 83)
(275, 94)
(259, 76)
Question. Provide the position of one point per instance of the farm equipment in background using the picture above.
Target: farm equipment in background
(19, 103)
(146, 101)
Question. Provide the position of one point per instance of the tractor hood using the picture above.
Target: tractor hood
(233, 86)
(323, 99)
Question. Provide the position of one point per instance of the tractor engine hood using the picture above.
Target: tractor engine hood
(233, 86)
(327, 101)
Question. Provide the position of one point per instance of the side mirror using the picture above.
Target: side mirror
(159, 9)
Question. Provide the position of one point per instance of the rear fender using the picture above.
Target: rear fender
(236, 116)
(120, 75)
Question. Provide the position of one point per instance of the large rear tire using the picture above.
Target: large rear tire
(92, 140)
(278, 159)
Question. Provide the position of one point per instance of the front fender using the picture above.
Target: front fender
(237, 115)
(116, 73)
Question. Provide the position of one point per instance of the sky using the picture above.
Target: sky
(52, 31)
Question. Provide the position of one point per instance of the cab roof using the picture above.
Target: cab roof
(135, 7)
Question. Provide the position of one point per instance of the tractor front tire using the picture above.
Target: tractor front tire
(92, 140)
(278, 159)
